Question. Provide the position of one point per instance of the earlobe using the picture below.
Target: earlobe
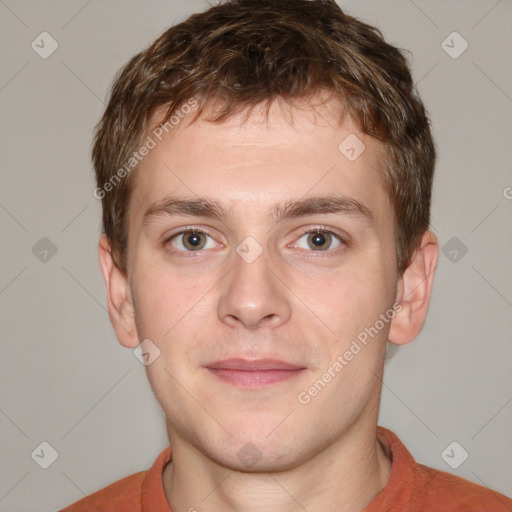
(119, 299)
(414, 291)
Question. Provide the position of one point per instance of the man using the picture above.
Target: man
(265, 170)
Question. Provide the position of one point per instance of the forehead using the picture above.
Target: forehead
(288, 153)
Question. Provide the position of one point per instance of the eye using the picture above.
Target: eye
(191, 240)
(319, 240)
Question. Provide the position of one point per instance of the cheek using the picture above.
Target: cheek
(164, 299)
(352, 300)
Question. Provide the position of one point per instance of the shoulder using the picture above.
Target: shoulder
(414, 487)
(141, 491)
(115, 497)
(448, 488)
(440, 487)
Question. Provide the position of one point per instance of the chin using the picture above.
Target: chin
(256, 450)
(250, 458)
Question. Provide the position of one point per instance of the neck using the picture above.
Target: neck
(345, 476)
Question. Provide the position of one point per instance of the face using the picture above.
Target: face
(259, 255)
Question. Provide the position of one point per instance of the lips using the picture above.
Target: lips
(253, 374)
(256, 365)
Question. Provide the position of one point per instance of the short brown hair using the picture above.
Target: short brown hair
(245, 52)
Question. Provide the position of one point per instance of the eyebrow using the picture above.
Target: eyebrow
(205, 207)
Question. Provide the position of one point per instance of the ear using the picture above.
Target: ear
(414, 291)
(119, 297)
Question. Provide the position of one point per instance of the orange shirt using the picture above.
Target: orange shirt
(411, 487)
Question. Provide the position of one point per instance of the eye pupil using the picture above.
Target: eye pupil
(319, 240)
(192, 240)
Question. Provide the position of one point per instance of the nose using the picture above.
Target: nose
(252, 296)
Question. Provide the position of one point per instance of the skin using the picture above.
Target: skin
(294, 303)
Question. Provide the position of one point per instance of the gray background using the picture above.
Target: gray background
(63, 377)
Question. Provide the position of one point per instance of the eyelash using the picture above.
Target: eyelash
(316, 229)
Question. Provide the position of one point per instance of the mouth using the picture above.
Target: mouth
(253, 374)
